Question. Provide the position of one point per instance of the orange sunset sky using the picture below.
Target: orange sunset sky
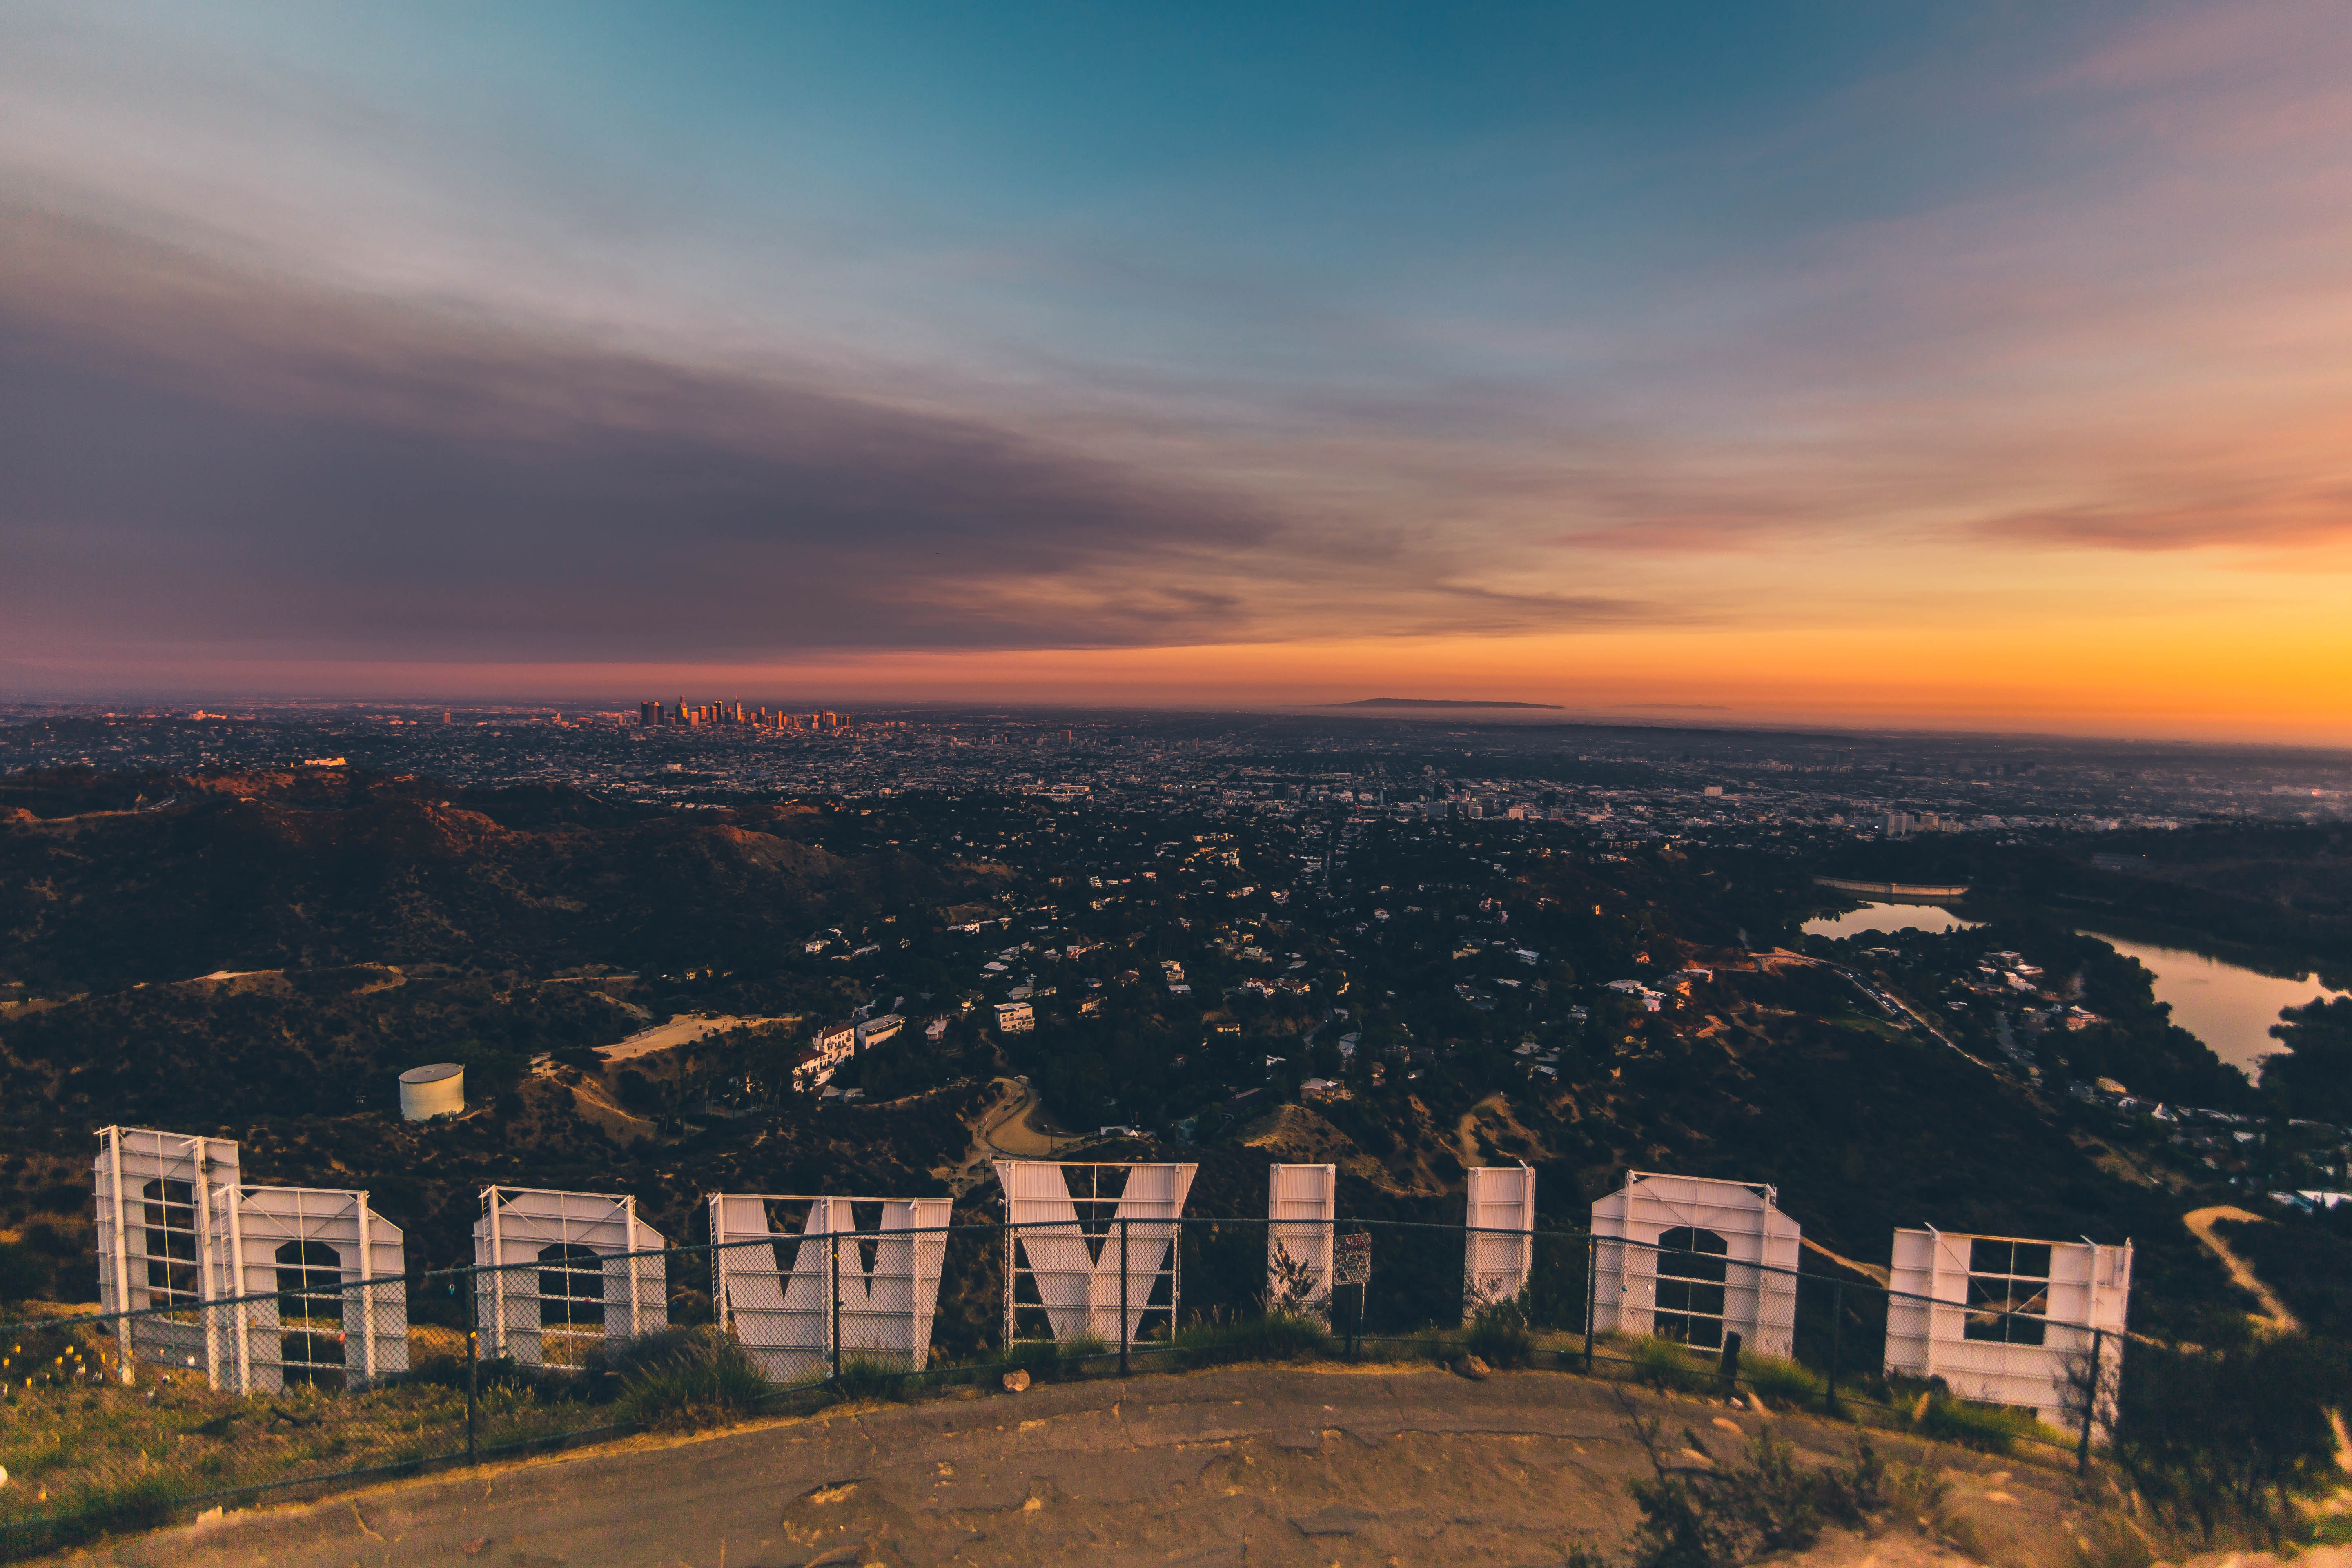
(1985, 370)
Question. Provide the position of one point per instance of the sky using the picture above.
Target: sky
(1952, 367)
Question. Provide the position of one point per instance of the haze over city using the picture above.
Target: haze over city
(1911, 366)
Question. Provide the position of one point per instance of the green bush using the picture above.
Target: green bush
(864, 1378)
(1668, 1364)
(144, 1504)
(2224, 1442)
(1044, 1360)
(1498, 1334)
(703, 1378)
(1986, 1427)
(1738, 1512)
(23, 1274)
(1784, 1383)
(1276, 1336)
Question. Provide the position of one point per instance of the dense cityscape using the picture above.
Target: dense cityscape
(1641, 782)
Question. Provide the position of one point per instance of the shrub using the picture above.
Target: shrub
(1665, 1364)
(1038, 1358)
(1734, 1512)
(1498, 1334)
(864, 1378)
(22, 1274)
(700, 1379)
(2222, 1442)
(1276, 1336)
(144, 1504)
(1044, 1360)
(1076, 1351)
(1986, 1427)
(1784, 1383)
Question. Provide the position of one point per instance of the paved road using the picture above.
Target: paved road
(1238, 1466)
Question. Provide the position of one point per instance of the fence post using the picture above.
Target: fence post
(1728, 1366)
(2090, 1403)
(1837, 1330)
(835, 1270)
(473, 1332)
(1122, 1298)
(1592, 1295)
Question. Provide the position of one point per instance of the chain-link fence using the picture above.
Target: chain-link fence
(309, 1381)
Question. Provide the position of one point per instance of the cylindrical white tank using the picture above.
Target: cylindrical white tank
(429, 1091)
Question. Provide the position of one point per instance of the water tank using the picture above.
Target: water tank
(430, 1092)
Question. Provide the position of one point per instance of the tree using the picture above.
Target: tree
(2312, 1078)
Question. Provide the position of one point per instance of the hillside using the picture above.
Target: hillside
(367, 923)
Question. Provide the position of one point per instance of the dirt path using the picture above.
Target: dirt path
(1292, 1467)
(1465, 1129)
(1869, 1271)
(683, 1029)
(2274, 1316)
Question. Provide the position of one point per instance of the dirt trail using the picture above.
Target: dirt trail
(1465, 1129)
(2274, 1316)
(1869, 1270)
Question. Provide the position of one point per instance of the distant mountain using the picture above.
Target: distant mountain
(1435, 702)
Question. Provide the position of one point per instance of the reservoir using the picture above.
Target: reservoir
(2227, 1005)
(1887, 919)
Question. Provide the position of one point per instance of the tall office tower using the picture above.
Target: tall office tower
(644, 713)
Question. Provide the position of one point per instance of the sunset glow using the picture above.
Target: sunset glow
(1880, 369)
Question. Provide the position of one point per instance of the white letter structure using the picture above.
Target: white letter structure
(588, 1283)
(154, 1242)
(1498, 1244)
(327, 1302)
(1074, 1262)
(1302, 1205)
(1693, 1258)
(773, 1277)
(2009, 1322)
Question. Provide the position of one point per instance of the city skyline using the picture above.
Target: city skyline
(1908, 369)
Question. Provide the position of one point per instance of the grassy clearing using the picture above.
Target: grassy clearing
(86, 1460)
(86, 1454)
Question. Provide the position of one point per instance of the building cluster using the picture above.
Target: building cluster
(683, 714)
(838, 1043)
(1659, 783)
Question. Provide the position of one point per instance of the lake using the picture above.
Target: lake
(1887, 919)
(2227, 1005)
